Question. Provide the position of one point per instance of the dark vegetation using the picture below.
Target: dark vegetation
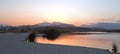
(51, 34)
(113, 30)
(62, 29)
(115, 49)
(31, 37)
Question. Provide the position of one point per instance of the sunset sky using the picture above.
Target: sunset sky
(77, 12)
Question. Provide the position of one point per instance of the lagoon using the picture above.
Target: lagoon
(94, 40)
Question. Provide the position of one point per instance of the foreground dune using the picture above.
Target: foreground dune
(13, 44)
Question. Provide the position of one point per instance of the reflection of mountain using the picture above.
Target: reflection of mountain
(54, 24)
(104, 25)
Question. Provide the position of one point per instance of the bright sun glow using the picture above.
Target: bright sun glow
(56, 13)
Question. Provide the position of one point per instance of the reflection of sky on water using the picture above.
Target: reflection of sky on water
(95, 41)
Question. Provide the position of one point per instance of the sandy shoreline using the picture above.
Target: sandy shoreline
(14, 45)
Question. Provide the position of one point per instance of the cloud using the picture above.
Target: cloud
(118, 21)
(107, 19)
(105, 25)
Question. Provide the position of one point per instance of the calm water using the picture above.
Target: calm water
(103, 40)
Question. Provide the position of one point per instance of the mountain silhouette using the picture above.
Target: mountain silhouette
(54, 24)
(104, 25)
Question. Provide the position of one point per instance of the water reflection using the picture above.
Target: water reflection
(75, 40)
(79, 40)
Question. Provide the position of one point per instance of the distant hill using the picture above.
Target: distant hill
(63, 27)
(3, 25)
(54, 24)
(104, 25)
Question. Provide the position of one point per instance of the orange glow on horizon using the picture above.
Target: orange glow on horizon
(34, 20)
(30, 20)
(50, 13)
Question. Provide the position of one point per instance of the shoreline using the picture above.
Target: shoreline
(14, 45)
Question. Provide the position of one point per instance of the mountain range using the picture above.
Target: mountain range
(54, 24)
(104, 25)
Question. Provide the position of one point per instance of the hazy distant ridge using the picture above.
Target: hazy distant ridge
(104, 25)
(54, 24)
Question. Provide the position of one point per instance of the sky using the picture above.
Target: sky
(77, 12)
